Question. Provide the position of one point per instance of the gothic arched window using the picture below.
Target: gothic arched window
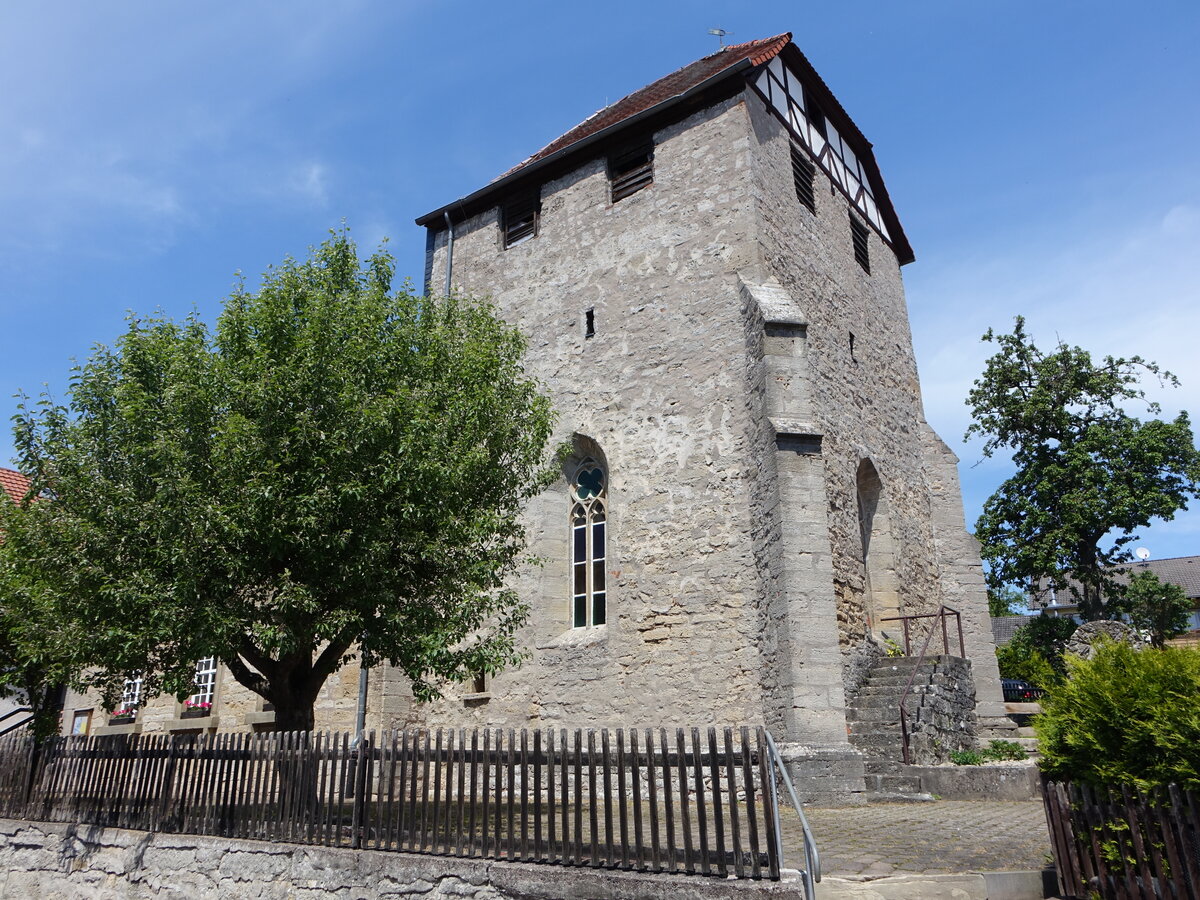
(588, 542)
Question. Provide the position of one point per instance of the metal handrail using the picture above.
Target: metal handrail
(941, 613)
(812, 859)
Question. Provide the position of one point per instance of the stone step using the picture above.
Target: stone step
(1026, 731)
(900, 679)
(879, 766)
(869, 729)
(910, 661)
(877, 697)
(894, 784)
(889, 698)
(1029, 743)
(897, 690)
(877, 745)
(883, 715)
(901, 676)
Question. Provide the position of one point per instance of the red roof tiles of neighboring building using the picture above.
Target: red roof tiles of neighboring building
(679, 81)
(14, 484)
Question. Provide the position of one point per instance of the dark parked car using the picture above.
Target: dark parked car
(1017, 691)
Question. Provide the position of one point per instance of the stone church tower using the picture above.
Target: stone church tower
(708, 272)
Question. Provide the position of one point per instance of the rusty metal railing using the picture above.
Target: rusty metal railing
(941, 614)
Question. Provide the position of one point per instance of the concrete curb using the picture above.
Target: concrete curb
(1028, 885)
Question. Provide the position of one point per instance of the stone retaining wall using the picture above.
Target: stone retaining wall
(51, 860)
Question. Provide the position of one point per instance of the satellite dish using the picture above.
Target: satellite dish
(1142, 553)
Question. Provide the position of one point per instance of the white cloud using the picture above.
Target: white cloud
(309, 181)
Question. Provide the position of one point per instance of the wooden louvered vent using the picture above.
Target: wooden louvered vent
(858, 234)
(631, 171)
(803, 172)
(521, 219)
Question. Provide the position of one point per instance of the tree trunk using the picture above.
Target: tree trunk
(294, 716)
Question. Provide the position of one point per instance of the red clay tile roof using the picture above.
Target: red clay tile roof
(665, 88)
(14, 484)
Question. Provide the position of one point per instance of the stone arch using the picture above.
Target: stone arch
(878, 552)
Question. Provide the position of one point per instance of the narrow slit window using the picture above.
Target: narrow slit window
(590, 323)
(589, 546)
(520, 220)
(630, 171)
(859, 236)
(803, 173)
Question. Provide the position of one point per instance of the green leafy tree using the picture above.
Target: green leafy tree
(1125, 717)
(1047, 636)
(1035, 653)
(1005, 600)
(1088, 474)
(336, 470)
(1026, 665)
(1157, 607)
(35, 657)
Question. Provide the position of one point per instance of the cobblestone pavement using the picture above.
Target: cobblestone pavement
(943, 836)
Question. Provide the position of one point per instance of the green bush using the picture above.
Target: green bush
(1125, 717)
(995, 751)
(1002, 750)
(966, 757)
(1017, 661)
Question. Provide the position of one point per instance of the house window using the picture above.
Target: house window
(631, 171)
(588, 545)
(520, 219)
(200, 703)
(858, 234)
(131, 698)
(81, 723)
(802, 174)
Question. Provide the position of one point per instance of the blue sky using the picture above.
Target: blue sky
(1042, 156)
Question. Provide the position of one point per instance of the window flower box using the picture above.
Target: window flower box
(195, 709)
(123, 716)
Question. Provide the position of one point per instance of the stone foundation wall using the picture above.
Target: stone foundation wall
(51, 861)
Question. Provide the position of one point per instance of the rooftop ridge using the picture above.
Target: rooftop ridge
(670, 85)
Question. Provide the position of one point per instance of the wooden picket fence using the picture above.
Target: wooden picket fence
(692, 802)
(1121, 843)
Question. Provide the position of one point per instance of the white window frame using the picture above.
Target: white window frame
(205, 681)
(131, 696)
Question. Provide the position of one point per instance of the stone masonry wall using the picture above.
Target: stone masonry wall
(664, 389)
(56, 862)
(865, 399)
